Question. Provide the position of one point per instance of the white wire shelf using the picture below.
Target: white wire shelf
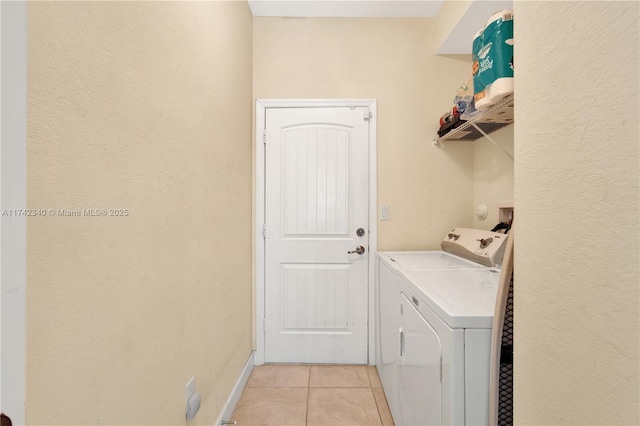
(495, 117)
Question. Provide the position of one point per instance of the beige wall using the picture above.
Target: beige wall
(428, 189)
(577, 195)
(492, 175)
(142, 106)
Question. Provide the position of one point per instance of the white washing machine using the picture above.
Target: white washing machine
(434, 328)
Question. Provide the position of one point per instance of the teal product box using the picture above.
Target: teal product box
(492, 54)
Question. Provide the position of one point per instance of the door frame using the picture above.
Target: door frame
(260, 168)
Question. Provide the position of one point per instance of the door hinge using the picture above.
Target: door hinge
(264, 325)
(366, 114)
(264, 136)
(264, 230)
(440, 369)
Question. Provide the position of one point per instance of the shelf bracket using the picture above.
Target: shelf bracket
(491, 140)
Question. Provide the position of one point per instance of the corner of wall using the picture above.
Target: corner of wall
(450, 13)
(13, 194)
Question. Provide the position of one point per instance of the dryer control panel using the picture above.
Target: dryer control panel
(477, 245)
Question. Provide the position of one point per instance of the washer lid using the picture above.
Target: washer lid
(463, 298)
(427, 259)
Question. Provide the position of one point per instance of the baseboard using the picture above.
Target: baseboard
(234, 397)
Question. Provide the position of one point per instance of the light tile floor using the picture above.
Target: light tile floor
(314, 395)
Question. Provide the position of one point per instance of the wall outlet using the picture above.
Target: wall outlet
(190, 389)
(505, 211)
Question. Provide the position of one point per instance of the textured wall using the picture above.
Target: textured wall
(144, 106)
(577, 196)
(427, 188)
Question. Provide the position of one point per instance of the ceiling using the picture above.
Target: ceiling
(459, 40)
(346, 8)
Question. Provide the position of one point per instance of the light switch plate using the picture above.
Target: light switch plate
(384, 212)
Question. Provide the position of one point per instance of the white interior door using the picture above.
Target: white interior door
(316, 200)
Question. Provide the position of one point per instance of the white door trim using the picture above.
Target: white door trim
(261, 106)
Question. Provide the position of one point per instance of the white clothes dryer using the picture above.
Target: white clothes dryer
(435, 314)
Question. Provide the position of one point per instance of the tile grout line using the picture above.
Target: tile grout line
(375, 399)
(306, 419)
(377, 406)
(374, 396)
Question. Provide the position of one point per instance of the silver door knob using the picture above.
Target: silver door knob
(359, 250)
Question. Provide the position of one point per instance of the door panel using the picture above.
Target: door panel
(315, 297)
(316, 161)
(316, 184)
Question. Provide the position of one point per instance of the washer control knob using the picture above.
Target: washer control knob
(484, 242)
